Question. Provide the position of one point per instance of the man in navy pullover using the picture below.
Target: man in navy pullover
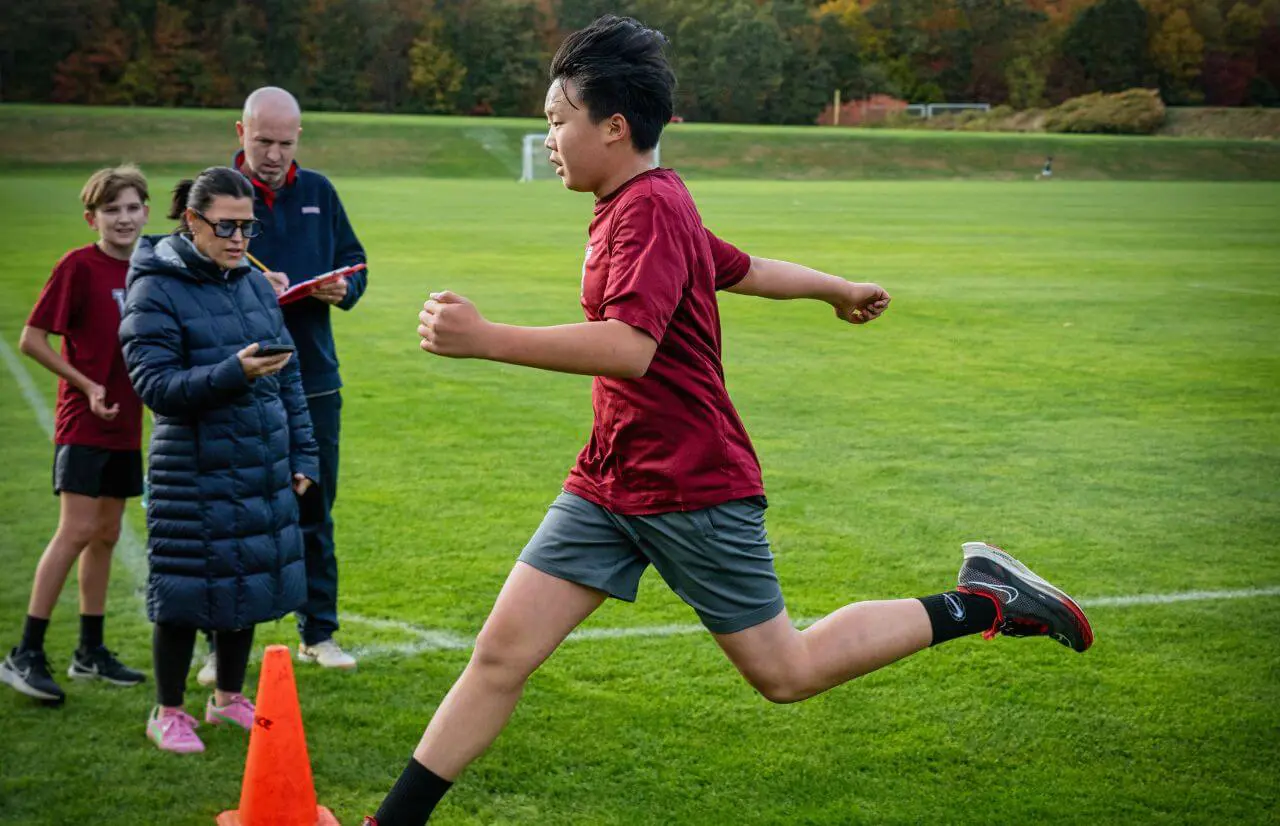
(305, 232)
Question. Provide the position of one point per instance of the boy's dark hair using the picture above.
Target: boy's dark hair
(198, 194)
(619, 66)
(105, 185)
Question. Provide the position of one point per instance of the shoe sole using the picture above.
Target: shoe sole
(21, 686)
(1000, 557)
(89, 676)
(156, 743)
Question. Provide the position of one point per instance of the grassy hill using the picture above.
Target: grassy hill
(180, 141)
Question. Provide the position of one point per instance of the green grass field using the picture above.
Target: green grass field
(183, 141)
(1085, 373)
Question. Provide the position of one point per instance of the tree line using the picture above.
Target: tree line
(751, 61)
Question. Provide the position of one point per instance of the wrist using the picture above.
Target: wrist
(835, 291)
(493, 343)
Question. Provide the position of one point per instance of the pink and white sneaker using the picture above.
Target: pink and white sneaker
(174, 730)
(239, 711)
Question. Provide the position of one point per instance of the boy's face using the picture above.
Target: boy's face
(580, 149)
(120, 221)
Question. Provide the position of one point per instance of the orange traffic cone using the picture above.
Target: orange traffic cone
(277, 790)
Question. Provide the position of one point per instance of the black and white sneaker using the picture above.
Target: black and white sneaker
(101, 664)
(1026, 605)
(28, 673)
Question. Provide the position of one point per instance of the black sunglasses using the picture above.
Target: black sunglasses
(251, 228)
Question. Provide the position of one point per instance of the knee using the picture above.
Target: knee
(783, 692)
(77, 534)
(784, 686)
(108, 535)
(500, 663)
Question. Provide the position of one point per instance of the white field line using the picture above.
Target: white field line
(425, 637)
(420, 640)
(1210, 288)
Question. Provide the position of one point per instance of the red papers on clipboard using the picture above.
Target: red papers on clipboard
(303, 289)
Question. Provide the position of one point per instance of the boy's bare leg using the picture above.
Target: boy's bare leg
(77, 526)
(995, 593)
(95, 560)
(532, 616)
(787, 665)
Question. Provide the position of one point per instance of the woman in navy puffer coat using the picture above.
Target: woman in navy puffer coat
(231, 449)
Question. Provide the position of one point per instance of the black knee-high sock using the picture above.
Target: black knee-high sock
(91, 631)
(33, 633)
(171, 647)
(413, 797)
(957, 614)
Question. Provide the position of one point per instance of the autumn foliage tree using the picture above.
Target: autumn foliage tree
(768, 61)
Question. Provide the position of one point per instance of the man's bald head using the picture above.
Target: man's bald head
(269, 128)
(271, 102)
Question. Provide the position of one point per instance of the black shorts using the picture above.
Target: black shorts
(97, 471)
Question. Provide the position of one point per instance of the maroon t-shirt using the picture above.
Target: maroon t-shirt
(670, 440)
(82, 303)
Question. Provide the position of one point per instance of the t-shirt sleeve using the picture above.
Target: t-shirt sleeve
(648, 267)
(731, 264)
(55, 310)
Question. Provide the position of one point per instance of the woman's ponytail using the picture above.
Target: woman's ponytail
(178, 206)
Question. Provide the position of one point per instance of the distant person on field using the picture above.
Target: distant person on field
(231, 452)
(305, 233)
(97, 460)
(669, 477)
(1047, 172)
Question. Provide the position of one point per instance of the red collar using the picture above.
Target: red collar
(268, 194)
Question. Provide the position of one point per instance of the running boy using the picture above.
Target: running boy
(97, 461)
(669, 476)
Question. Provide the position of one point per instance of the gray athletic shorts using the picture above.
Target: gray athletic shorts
(717, 559)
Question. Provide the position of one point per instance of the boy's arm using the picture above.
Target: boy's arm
(34, 342)
(451, 326)
(854, 302)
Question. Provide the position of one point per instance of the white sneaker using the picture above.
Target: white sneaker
(327, 654)
(209, 671)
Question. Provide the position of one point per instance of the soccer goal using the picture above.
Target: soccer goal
(535, 166)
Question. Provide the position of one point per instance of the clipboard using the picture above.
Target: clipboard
(303, 289)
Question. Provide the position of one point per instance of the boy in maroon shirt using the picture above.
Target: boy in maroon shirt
(669, 477)
(97, 456)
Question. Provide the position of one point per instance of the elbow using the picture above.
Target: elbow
(27, 342)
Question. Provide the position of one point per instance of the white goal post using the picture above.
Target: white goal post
(928, 110)
(534, 165)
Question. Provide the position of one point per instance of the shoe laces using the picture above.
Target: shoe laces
(236, 700)
(183, 722)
